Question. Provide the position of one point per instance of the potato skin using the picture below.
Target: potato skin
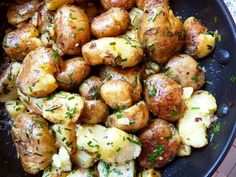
(114, 51)
(72, 73)
(125, 4)
(164, 97)
(18, 13)
(33, 141)
(131, 119)
(90, 88)
(54, 4)
(162, 40)
(112, 23)
(117, 94)
(18, 43)
(185, 71)
(72, 29)
(94, 112)
(36, 79)
(158, 134)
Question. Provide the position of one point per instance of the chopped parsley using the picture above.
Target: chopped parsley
(152, 91)
(195, 108)
(195, 79)
(159, 150)
(133, 141)
(118, 114)
(112, 43)
(217, 127)
(175, 113)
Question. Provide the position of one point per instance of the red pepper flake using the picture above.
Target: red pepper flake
(197, 119)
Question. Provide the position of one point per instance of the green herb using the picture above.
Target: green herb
(195, 79)
(70, 113)
(152, 44)
(80, 29)
(118, 149)
(133, 141)
(219, 38)
(195, 108)
(159, 150)
(71, 98)
(90, 144)
(30, 89)
(145, 38)
(71, 16)
(55, 56)
(175, 113)
(18, 108)
(217, 127)
(211, 33)
(16, 45)
(152, 91)
(118, 114)
(232, 79)
(112, 43)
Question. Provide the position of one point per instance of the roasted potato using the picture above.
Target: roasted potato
(82, 159)
(14, 108)
(63, 108)
(114, 170)
(94, 112)
(160, 144)
(198, 42)
(149, 68)
(91, 9)
(112, 23)
(72, 29)
(111, 145)
(62, 160)
(131, 119)
(197, 118)
(65, 137)
(54, 172)
(18, 13)
(90, 88)
(54, 4)
(149, 173)
(135, 18)
(36, 78)
(18, 43)
(33, 105)
(131, 76)
(125, 4)
(164, 97)
(113, 51)
(160, 32)
(83, 172)
(117, 94)
(8, 88)
(34, 142)
(72, 73)
(185, 71)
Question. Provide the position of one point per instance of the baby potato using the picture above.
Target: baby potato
(36, 78)
(82, 159)
(54, 4)
(83, 172)
(131, 76)
(114, 51)
(111, 145)
(131, 119)
(63, 108)
(114, 170)
(18, 43)
(72, 29)
(33, 105)
(90, 88)
(149, 68)
(160, 144)
(62, 160)
(14, 108)
(125, 4)
(95, 111)
(149, 173)
(65, 137)
(198, 42)
(34, 142)
(135, 18)
(8, 88)
(18, 13)
(197, 118)
(162, 40)
(111, 23)
(164, 97)
(54, 172)
(117, 94)
(185, 71)
(72, 73)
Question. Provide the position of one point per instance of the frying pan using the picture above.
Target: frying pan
(220, 69)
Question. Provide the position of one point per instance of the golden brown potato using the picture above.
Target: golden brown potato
(125, 4)
(160, 32)
(90, 88)
(164, 97)
(185, 71)
(131, 76)
(198, 43)
(72, 73)
(18, 43)
(34, 142)
(94, 112)
(36, 79)
(112, 23)
(149, 68)
(114, 51)
(117, 94)
(8, 88)
(54, 4)
(131, 119)
(160, 144)
(18, 13)
(65, 137)
(72, 29)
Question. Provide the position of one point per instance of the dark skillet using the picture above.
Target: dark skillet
(220, 72)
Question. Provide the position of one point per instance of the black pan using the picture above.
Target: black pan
(221, 79)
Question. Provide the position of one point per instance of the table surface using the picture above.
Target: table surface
(228, 166)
